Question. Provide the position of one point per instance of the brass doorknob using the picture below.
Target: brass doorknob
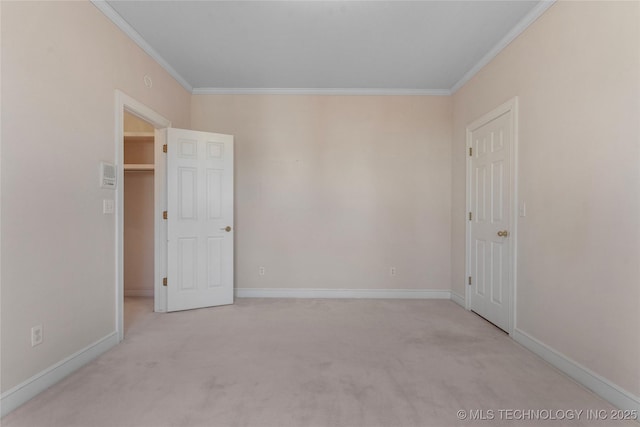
(503, 233)
(227, 229)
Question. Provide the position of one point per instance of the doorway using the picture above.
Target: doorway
(193, 194)
(491, 223)
(138, 238)
(149, 154)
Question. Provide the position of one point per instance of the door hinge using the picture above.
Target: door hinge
(470, 216)
(164, 281)
(164, 148)
(470, 151)
(164, 214)
(469, 280)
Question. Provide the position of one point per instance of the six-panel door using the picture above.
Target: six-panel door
(199, 219)
(490, 208)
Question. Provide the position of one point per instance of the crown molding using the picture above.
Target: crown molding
(529, 19)
(110, 13)
(316, 91)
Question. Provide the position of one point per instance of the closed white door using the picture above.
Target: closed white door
(199, 219)
(490, 217)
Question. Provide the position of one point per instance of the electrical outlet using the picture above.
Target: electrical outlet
(36, 335)
(392, 271)
(261, 271)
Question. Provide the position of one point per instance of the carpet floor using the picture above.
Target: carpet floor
(312, 363)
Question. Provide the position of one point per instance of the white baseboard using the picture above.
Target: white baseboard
(618, 397)
(138, 293)
(343, 293)
(28, 389)
(457, 299)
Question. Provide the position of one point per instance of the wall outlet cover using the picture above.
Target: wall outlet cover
(37, 335)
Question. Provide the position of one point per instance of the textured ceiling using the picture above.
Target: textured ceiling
(416, 45)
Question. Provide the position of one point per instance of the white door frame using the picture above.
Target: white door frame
(511, 107)
(126, 103)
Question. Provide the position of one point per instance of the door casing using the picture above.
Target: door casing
(510, 107)
(124, 103)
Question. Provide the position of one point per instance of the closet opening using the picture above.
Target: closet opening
(138, 218)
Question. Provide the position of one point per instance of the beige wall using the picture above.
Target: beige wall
(61, 64)
(331, 191)
(135, 124)
(576, 72)
(138, 233)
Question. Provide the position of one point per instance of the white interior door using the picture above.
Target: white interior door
(199, 219)
(490, 212)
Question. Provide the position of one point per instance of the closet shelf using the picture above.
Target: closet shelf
(138, 167)
(139, 135)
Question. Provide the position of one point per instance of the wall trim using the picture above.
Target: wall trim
(138, 293)
(343, 293)
(458, 299)
(529, 19)
(110, 13)
(23, 392)
(124, 26)
(604, 388)
(319, 91)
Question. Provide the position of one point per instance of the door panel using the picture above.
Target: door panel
(214, 193)
(490, 203)
(214, 261)
(187, 263)
(199, 220)
(187, 193)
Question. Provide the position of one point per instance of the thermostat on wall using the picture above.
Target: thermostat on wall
(107, 175)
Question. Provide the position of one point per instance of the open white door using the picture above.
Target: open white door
(199, 219)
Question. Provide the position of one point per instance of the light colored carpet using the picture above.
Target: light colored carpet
(277, 363)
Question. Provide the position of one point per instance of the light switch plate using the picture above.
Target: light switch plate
(107, 206)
